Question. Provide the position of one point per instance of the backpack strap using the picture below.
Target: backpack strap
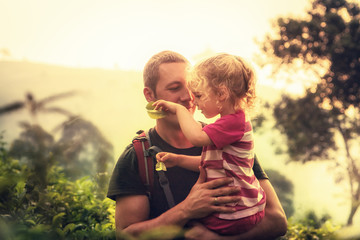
(145, 162)
(145, 154)
(163, 180)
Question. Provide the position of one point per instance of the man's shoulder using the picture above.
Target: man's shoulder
(128, 156)
(130, 151)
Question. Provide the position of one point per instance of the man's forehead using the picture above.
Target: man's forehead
(173, 66)
(172, 71)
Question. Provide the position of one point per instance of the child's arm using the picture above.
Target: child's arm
(191, 128)
(171, 159)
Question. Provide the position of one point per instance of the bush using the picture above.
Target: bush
(63, 209)
(311, 228)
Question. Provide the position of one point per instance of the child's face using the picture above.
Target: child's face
(207, 103)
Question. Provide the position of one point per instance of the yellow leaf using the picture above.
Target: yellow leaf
(155, 114)
(160, 166)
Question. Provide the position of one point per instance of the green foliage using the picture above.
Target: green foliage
(63, 209)
(162, 233)
(80, 151)
(311, 228)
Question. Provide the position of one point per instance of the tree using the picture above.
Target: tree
(81, 149)
(327, 43)
(35, 106)
(34, 147)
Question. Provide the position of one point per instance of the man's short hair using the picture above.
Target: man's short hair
(151, 70)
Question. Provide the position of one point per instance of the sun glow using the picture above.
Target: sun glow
(124, 34)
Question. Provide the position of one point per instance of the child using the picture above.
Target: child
(223, 85)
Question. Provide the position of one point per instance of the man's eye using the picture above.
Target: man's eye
(174, 88)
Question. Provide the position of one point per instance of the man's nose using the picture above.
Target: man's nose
(187, 95)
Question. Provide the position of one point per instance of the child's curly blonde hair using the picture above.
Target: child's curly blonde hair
(229, 71)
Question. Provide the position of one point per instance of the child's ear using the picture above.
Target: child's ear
(149, 94)
(223, 93)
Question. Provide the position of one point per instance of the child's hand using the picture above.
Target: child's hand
(166, 106)
(170, 159)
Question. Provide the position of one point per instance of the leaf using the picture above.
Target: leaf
(162, 233)
(57, 218)
(160, 166)
(31, 222)
(20, 189)
(154, 114)
(69, 228)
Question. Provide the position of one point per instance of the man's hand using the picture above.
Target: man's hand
(273, 225)
(208, 197)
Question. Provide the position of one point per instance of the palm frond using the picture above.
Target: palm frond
(11, 107)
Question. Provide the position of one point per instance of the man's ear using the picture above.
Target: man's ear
(149, 94)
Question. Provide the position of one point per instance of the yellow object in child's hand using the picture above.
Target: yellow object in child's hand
(155, 114)
(160, 166)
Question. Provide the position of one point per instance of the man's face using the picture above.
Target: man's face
(172, 85)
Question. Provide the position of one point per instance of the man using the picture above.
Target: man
(165, 78)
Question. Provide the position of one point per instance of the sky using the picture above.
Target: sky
(124, 34)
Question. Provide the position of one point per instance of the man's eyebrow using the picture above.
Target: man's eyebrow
(173, 83)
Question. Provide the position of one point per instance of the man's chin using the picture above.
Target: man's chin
(170, 119)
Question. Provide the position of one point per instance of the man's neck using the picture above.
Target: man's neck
(172, 134)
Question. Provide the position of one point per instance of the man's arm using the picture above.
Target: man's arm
(132, 212)
(273, 225)
(127, 211)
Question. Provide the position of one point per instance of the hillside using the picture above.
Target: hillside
(109, 98)
(112, 99)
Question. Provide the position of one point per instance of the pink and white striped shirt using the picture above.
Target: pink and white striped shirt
(232, 155)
